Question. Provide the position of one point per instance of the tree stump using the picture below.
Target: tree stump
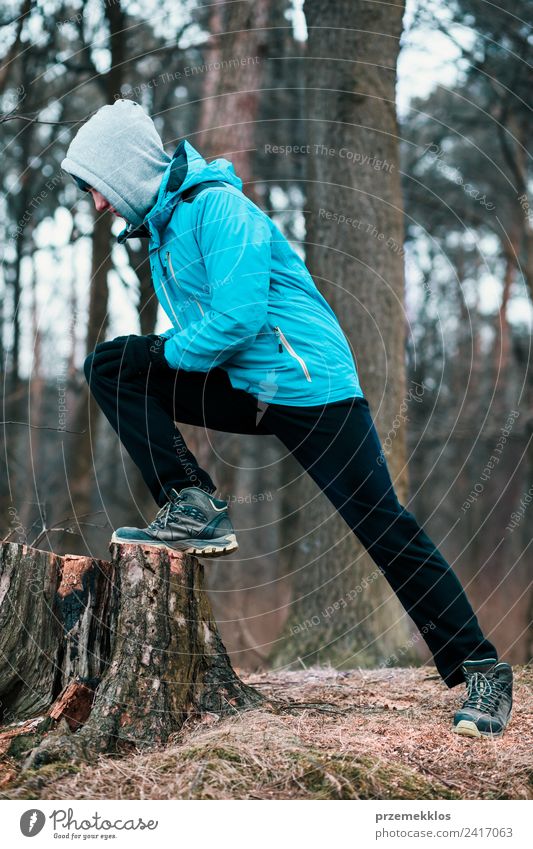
(99, 656)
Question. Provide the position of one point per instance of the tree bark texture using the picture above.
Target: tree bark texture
(354, 249)
(238, 43)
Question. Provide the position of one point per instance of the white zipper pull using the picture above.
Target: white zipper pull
(169, 263)
(284, 341)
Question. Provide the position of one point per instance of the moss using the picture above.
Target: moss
(20, 744)
(223, 754)
(28, 784)
(203, 753)
(209, 757)
(336, 777)
(49, 772)
(319, 776)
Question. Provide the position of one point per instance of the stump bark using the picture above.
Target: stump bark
(103, 656)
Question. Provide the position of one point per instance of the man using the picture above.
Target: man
(254, 348)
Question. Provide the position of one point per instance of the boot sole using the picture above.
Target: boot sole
(468, 728)
(200, 548)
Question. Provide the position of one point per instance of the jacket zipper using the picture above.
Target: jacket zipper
(178, 284)
(282, 340)
(169, 302)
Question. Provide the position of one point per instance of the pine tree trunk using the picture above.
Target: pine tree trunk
(230, 106)
(343, 612)
(242, 466)
(100, 656)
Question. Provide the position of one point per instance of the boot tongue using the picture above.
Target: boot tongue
(482, 666)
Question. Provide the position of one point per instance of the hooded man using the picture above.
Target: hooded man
(254, 348)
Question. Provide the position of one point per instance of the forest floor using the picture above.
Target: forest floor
(363, 734)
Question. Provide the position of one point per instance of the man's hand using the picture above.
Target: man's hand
(130, 355)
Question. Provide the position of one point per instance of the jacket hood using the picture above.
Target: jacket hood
(186, 169)
(119, 152)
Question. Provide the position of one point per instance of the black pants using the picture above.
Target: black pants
(339, 447)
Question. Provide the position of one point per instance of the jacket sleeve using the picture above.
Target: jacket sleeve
(234, 242)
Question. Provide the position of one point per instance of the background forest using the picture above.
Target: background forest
(428, 265)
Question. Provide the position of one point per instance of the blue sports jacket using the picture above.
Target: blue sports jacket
(237, 294)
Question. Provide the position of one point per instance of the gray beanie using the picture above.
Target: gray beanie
(119, 153)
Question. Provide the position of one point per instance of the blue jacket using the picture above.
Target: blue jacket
(238, 295)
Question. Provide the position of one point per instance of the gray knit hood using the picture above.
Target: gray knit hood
(119, 153)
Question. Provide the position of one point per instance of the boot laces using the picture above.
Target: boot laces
(483, 693)
(166, 513)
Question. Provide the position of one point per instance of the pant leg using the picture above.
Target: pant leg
(339, 446)
(144, 410)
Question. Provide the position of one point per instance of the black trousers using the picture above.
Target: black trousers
(339, 447)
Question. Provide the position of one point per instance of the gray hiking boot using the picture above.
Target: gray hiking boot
(487, 708)
(192, 521)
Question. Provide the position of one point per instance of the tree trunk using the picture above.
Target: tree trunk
(80, 459)
(230, 107)
(80, 446)
(246, 469)
(100, 656)
(358, 266)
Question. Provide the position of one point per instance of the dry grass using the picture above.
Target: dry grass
(360, 734)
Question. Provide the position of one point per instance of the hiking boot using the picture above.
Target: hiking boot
(487, 708)
(192, 521)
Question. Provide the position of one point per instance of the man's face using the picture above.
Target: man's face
(101, 204)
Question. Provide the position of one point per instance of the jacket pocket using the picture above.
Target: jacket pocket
(283, 342)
